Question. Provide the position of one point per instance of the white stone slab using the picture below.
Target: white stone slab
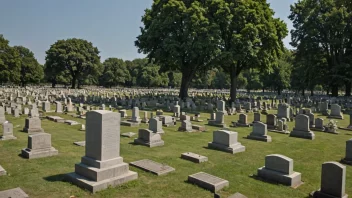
(153, 167)
(207, 181)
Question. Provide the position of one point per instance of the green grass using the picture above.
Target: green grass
(44, 177)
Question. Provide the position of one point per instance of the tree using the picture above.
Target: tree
(77, 57)
(250, 36)
(324, 26)
(150, 77)
(10, 63)
(115, 72)
(31, 70)
(178, 35)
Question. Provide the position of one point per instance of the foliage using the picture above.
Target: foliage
(10, 62)
(77, 57)
(115, 72)
(31, 70)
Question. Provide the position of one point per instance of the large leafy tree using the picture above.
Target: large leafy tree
(31, 71)
(115, 72)
(178, 35)
(10, 62)
(250, 36)
(77, 57)
(324, 26)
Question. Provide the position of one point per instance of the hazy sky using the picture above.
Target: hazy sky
(111, 25)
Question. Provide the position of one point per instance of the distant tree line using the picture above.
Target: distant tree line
(213, 44)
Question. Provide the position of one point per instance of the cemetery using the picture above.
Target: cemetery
(176, 98)
(108, 159)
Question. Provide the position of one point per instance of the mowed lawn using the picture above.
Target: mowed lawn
(44, 177)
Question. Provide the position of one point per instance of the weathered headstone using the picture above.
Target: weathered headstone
(301, 129)
(333, 178)
(148, 138)
(39, 145)
(7, 132)
(207, 181)
(259, 132)
(185, 126)
(335, 112)
(33, 125)
(153, 167)
(279, 168)
(102, 165)
(348, 154)
(155, 126)
(226, 141)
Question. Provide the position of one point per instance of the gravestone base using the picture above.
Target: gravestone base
(130, 124)
(327, 130)
(33, 130)
(237, 124)
(2, 171)
(346, 161)
(8, 137)
(128, 134)
(319, 194)
(149, 144)
(217, 124)
(293, 180)
(336, 117)
(39, 153)
(185, 130)
(278, 131)
(349, 128)
(235, 148)
(302, 134)
(94, 186)
(194, 157)
(264, 138)
(198, 128)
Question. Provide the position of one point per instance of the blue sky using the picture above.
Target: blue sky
(111, 25)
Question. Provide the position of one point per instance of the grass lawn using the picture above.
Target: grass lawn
(43, 177)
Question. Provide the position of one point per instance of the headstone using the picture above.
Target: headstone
(259, 132)
(348, 154)
(271, 121)
(58, 107)
(148, 138)
(2, 115)
(284, 111)
(207, 181)
(302, 129)
(319, 124)
(256, 117)
(279, 168)
(33, 125)
(226, 141)
(155, 126)
(333, 178)
(135, 115)
(102, 165)
(39, 145)
(46, 106)
(13, 193)
(335, 112)
(2, 171)
(145, 117)
(7, 129)
(185, 126)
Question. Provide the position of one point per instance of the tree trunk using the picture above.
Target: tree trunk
(348, 88)
(303, 92)
(233, 89)
(311, 92)
(186, 79)
(73, 83)
(335, 90)
(278, 91)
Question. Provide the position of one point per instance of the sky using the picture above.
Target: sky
(111, 25)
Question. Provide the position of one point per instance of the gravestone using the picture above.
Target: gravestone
(145, 117)
(335, 112)
(7, 129)
(2, 115)
(58, 107)
(242, 121)
(256, 117)
(2, 171)
(16, 112)
(194, 157)
(279, 168)
(33, 112)
(283, 111)
(207, 181)
(148, 138)
(155, 126)
(259, 132)
(319, 124)
(281, 127)
(302, 129)
(333, 178)
(39, 145)
(226, 141)
(153, 167)
(271, 121)
(102, 166)
(348, 154)
(186, 126)
(46, 106)
(135, 115)
(177, 110)
(33, 125)
(13, 193)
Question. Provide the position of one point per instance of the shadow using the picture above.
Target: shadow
(348, 134)
(134, 144)
(55, 178)
(256, 177)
